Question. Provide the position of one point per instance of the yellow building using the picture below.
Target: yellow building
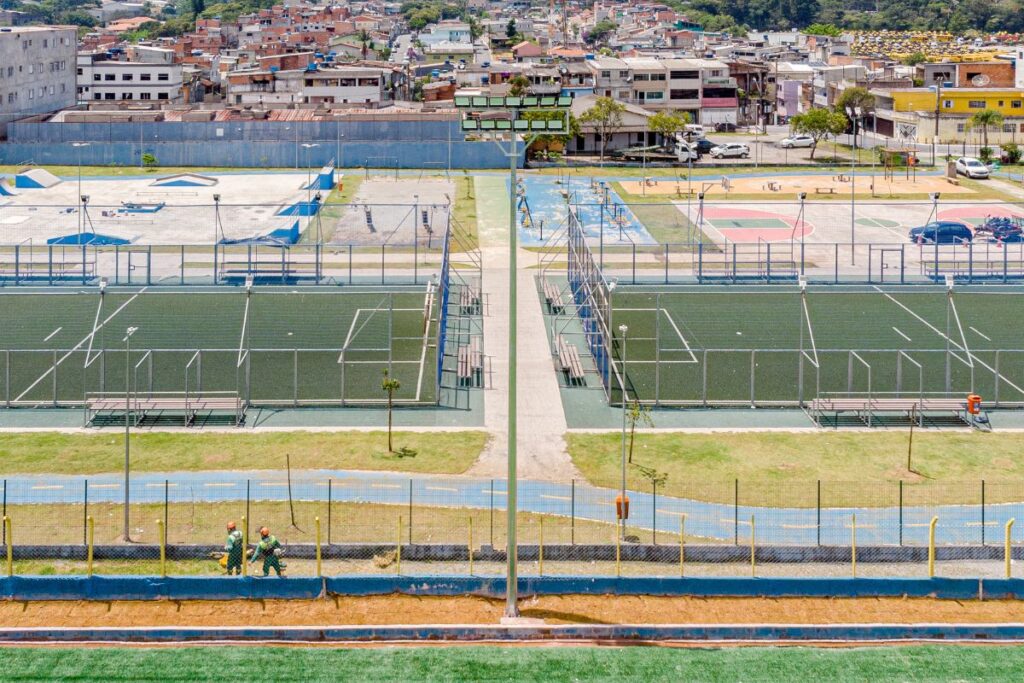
(909, 114)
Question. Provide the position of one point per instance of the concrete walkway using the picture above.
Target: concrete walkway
(542, 454)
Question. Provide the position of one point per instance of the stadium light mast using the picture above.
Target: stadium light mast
(127, 424)
(503, 121)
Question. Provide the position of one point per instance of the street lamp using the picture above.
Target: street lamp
(623, 329)
(309, 170)
(127, 422)
(855, 114)
(79, 146)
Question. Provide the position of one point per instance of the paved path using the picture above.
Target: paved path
(958, 524)
(542, 453)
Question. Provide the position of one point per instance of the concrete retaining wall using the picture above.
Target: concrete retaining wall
(29, 588)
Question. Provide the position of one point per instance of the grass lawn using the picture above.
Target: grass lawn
(520, 664)
(464, 213)
(60, 453)
(781, 469)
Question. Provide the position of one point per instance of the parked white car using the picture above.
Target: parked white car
(732, 149)
(796, 141)
(971, 167)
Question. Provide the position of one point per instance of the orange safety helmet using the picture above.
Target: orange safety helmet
(264, 531)
(231, 526)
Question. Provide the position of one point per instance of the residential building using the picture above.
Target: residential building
(909, 114)
(36, 71)
(102, 76)
(365, 86)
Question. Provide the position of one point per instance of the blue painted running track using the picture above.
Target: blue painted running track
(958, 524)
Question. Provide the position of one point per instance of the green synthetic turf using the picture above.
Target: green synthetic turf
(549, 665)
(714, 331)
(294, 337)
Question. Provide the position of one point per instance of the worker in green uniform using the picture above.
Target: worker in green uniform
(234, 547)
(270, 551)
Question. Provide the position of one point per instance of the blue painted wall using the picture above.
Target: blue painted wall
(253, 144)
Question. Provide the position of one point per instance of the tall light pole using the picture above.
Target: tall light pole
(309, 172)
(623, 329)
(502, 120)
(79, 146)
(127, 423)
(855, 114)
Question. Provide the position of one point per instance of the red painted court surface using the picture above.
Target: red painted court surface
(976, 215)
(752, 225)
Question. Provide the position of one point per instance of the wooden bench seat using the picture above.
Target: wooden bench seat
(190, 406)
(553, 297)
(824, 190)
(865, 407)
(569, 361)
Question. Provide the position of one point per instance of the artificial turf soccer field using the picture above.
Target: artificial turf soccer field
(745, 344)
(477, 663)
(57, 345)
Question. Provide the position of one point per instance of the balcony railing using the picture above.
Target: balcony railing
(719, 102)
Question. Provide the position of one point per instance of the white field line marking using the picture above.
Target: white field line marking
(441, 488)
(86, 338)
(693, 358)
(160, 486)
(897, 331)
(219, 484)
(495, 492)
(799, 526)
(951, 341)
(53, 334)
(273, 483)
(734, 521)
(544, 495)
(981, 523)
(978, 332)
(860, 526)
(385, 486)
(104, 486)
(47, 487)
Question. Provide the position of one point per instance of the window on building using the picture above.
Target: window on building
(79, 71)
(96, 77)
(976, 104)
(1016, 104)
(161, 96)
(623, 74)
(684, 75)
(163, 77)
(655, 96)
(127, 77)
(31, 68)
(657, 77)
(108, 96)
(642, 77)
(606, 74)
(31, 94)
(947, 104)
(108, 77)
(145, 77)
(46, 42)
(126, 96)
(683, 94)
(960, 127)
(1001, 103)
(1008, 127)
(97, 96)
(145, 96)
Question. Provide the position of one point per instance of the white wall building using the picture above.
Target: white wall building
(36, 71)
(101, 78)
(343, 85)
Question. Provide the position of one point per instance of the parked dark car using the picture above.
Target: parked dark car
(725, 127)
(704, 145)
(941, 232)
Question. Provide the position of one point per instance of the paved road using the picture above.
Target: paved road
(714, 521)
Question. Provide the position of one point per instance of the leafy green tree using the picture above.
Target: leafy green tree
(819, 124)
(519, 85)
(606, 119)
(915, 58)
(667, 123)
(985, 119)
(856, 98)
(510, 29)
(821, 29)
(390, 385)
(600, 32)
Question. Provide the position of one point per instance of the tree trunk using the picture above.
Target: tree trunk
(632, 432)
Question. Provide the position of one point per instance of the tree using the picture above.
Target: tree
(638, 413)
(819, 124)
(667, 123)
(390, 385)
(606, 119)
(198, 6)
(915, 58)
(600, 32)
(518, 85)
(985, 119)
(856, 98)
(510, 29)
(820, 29)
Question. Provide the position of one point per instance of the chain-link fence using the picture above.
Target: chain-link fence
(452, 525)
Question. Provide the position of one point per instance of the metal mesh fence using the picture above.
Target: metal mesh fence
(434, 525)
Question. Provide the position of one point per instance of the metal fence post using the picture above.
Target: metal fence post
(572, 514)
(85, 512)
(736, 511)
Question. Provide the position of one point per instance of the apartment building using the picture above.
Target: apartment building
(36, 71)
(108, 76)
(702, 87)
(342, 85)
(909, 114)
